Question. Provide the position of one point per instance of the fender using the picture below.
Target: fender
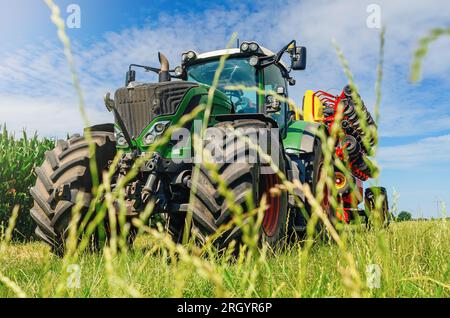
(261, 117)
(300, 136)
(109, 127)
(293, 173)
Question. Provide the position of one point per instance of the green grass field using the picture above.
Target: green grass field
(414, 258)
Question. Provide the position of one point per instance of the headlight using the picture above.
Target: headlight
(149, 138)
(120, 138)
(121, 141)
(254, 47)
(249, 47)
(253, 61)
(191, 55)
(188, 56)
(156, 130)
(159, 127)
(178, 71)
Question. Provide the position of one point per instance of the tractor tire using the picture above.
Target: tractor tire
(313, 168)
(374, 217)
(210, 210)
(63, 176)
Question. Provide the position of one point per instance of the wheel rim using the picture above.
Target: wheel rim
(270, 220)
(340, 181)
(325, 204)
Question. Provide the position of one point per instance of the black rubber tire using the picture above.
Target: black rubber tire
(370, 196)
(313, 165)
(175, 225)
(210, 210)
(67, 166)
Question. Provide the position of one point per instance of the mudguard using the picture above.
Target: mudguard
(258, 116)
(300, 137)
(109, 127)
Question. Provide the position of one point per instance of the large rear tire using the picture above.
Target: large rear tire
(64, 176)
(211, 211)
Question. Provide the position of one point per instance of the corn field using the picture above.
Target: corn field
(18, 158)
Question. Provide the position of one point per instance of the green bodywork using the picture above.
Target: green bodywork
(300, 137)
(297, 135)
(221, 105)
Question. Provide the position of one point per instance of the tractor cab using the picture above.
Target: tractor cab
(250, 76)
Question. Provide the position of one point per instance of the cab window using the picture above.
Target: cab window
(236, 71)
(272, 81)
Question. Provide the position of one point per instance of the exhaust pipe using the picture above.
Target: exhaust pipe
(164, 75)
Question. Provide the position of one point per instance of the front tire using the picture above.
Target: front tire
(64, 176)
(210, 209)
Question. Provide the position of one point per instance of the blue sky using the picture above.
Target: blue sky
(36, 92)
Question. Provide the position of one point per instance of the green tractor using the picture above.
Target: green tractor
(144, 111)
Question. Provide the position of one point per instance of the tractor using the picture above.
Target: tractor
(143, 112)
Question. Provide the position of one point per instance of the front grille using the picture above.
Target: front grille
(139, 105)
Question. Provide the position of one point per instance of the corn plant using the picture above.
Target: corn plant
(18, 157)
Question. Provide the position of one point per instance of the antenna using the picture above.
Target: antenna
(237, 42)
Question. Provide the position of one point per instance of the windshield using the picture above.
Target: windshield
(236, 71)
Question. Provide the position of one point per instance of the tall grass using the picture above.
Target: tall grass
(422, 50)
(417, 266)
(413, 257)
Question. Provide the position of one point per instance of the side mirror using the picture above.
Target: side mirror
(298, 58)
(130, 77)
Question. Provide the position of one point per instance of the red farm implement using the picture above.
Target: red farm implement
(355, 141)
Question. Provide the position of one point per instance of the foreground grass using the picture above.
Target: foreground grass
(414, 258)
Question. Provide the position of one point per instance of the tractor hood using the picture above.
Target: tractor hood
(139, 103)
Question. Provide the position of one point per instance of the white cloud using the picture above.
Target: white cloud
(37, 76)
(46, 116)
(427, 151)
